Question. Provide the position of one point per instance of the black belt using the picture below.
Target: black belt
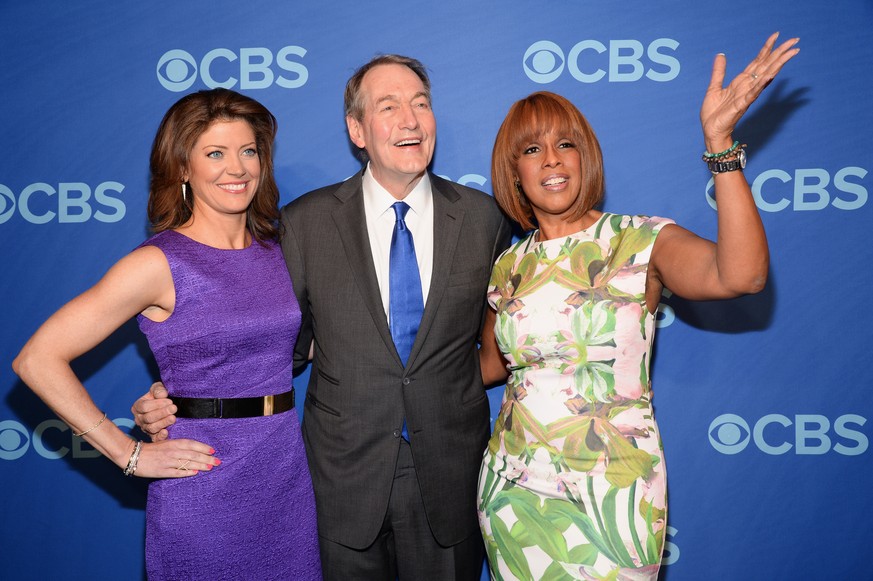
(233, 407)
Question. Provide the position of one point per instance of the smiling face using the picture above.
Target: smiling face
(397, 129)
(549, 170)
(224, 168)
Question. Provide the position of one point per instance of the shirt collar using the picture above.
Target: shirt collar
(378, 198)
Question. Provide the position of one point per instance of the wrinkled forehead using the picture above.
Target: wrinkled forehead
(392, 81)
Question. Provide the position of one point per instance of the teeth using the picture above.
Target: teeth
(554, 181)
(409, 142)
(234, 187)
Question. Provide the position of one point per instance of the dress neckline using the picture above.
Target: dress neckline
(534, 236)
(198, 243)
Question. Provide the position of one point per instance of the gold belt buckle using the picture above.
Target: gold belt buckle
(268, 405)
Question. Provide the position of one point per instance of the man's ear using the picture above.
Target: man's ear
(355, 132)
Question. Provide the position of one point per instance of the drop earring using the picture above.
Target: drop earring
(184, 196)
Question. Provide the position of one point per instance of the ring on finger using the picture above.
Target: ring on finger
(754, 76)
(183, 465)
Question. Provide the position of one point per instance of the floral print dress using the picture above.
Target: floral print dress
(572, 484)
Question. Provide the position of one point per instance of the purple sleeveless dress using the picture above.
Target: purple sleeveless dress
(231, 334)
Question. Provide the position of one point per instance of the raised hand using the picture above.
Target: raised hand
(724, 106)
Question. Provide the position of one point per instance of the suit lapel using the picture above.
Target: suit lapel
(351, 224)
(447, 220)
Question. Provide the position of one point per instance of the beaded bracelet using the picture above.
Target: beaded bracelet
(721, 154)
(94, 427)
(131, 464)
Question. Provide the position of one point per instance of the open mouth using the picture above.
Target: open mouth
(555, 181)
(236, 188)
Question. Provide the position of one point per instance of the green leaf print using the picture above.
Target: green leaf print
(626, 462)
(569, 571)
(502, 270)
(510, 550)
(578, 453)
(513, 433)
(610, 523)
(586, 260)
(506, 333)
(595, 380)
(526, 506)
(629, 242)
(583, 522)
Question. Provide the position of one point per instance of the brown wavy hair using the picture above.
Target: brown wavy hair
(183, 124)
(528, 120)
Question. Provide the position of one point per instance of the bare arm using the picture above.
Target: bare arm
(738, 262)
(491, 361)
(139, 282)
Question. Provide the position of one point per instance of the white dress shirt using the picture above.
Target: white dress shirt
(380, 219)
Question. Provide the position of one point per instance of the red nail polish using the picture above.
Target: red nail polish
(217, 462)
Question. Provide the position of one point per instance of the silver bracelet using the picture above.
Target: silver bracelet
(131, 464)
(94, 427)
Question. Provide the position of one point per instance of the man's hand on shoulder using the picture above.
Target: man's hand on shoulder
(153, 412)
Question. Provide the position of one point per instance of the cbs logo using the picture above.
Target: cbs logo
(69, 203)
(808, 189)
(472, 180)
(16, 440)
(257, 68)
(776, 434)
(589, 61)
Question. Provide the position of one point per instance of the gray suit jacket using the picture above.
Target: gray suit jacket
(359, 391)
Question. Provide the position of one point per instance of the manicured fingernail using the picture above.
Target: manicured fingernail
(212, 450)
(217, 462)
(209, 466)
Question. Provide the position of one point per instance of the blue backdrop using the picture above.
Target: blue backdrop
(762, 401)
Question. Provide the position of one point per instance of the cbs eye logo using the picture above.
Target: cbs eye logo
(590, 61)
(729, 434)
(51, 439)
(544, 62)
(776, 434)
(257, 67)
(68, 203)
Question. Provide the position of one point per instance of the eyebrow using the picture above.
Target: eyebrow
(208, 146)
(393, 97)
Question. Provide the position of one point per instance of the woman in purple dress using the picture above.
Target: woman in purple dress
(211, 292)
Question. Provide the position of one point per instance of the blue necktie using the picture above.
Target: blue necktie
(405, 305)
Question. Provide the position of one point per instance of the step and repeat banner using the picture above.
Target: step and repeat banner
(764, 402)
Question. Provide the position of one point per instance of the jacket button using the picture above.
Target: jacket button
(396, 433)
(406, 381)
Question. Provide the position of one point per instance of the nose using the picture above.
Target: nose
(551, 157)
(235, 166)
(409, 120)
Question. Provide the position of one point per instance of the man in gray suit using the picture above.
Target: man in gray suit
(394, 440)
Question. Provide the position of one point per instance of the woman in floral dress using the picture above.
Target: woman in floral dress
(572, 484)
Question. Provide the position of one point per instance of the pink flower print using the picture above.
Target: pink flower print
(631, 348)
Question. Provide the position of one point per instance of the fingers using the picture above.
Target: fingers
(176, 459)
(160, 419)
(718, 68)
(157, 390)
(784, 53)
(153, 416)
(770, 61)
